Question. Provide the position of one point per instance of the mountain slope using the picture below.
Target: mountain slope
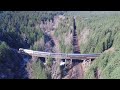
(98, 32)
(103, 37)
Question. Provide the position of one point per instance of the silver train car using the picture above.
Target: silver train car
(57, 55)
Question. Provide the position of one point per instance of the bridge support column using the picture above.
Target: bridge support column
(84, 63)
(71, 61)
(65, 62)
(46, 58)
(89, 62)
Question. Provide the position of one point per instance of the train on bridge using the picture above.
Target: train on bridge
(59, 55)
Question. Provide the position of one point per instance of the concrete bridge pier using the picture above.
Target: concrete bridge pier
(90, 61)
(84, 62)
(46, 59)
(65, 63)
(70, 61)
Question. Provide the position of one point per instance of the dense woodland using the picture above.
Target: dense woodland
(18, 29)
(98, 32)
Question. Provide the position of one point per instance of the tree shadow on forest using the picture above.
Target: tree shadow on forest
(22, 72)
(13, 66)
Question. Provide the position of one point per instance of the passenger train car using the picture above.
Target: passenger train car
(57, 55)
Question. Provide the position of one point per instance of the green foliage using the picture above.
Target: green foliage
(104, 35)
(116, 73)
(10, 63)
(38, 45)
(4, 51)
(49, 61)
(38, 71)
(88, 14)
(64, 29)
(18, 28)
(107, 64)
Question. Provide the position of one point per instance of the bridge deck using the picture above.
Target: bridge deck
(59, 55)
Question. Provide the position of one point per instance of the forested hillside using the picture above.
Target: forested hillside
(105, 38)
(98, 32)
(20, 29)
